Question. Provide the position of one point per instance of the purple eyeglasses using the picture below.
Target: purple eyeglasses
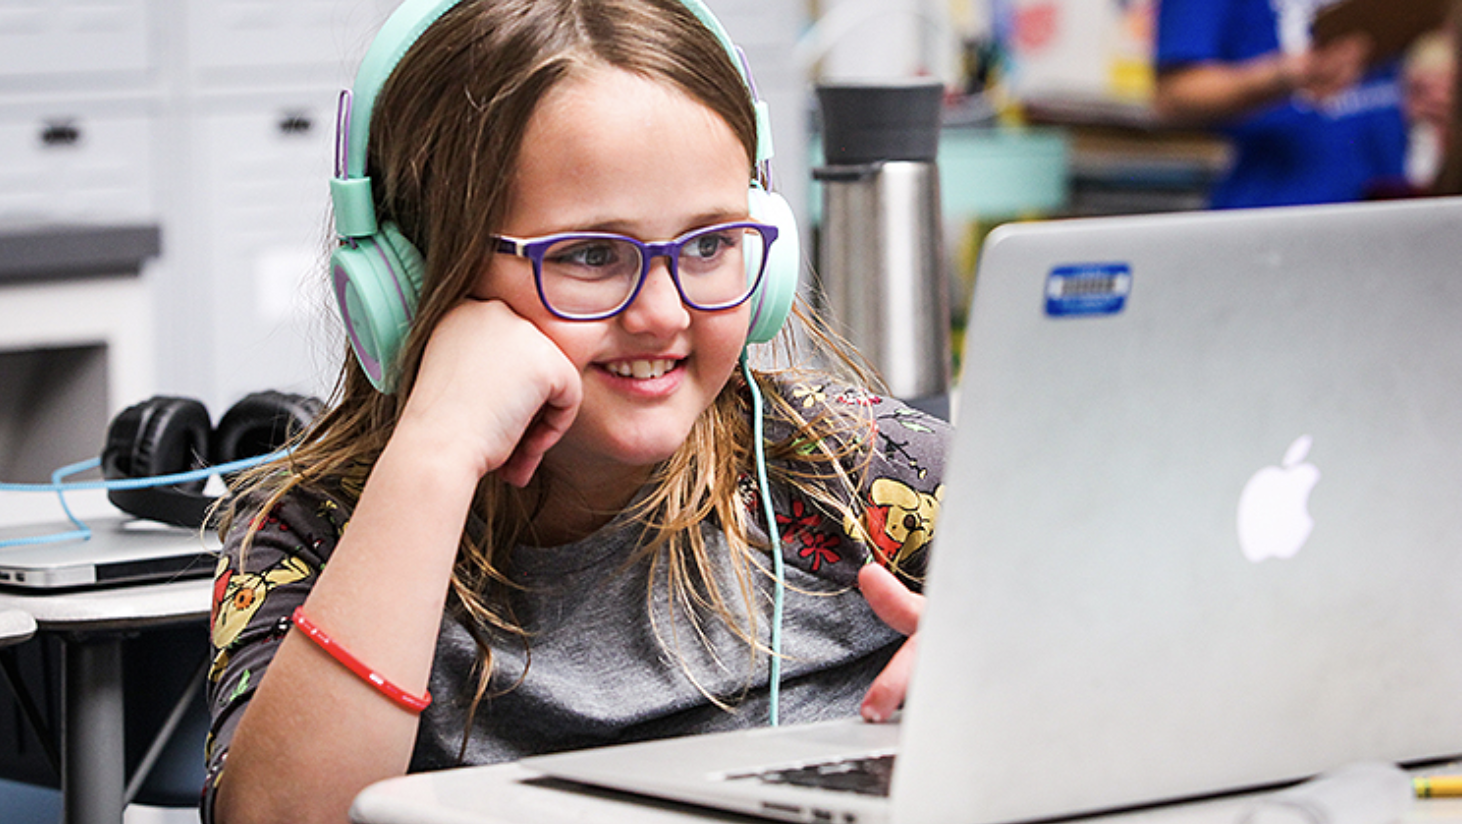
(595, 275)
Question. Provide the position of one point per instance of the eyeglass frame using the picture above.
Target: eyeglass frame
(533, 249)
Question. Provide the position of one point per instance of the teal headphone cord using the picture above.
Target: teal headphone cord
(775, 664)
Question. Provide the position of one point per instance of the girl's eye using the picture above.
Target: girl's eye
(592, 259)
(707, 247)
(590, 255)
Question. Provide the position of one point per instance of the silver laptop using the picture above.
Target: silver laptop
(1201, 530)
(120, 551)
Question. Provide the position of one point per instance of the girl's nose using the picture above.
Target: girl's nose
(657, 309)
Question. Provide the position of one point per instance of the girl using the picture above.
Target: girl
(548, 533)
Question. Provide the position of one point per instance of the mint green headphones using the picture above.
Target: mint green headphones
(377, 271)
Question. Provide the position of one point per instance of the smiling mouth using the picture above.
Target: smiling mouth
(641, 369)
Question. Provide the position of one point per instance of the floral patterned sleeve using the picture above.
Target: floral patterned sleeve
(898, 466)
(255, 590)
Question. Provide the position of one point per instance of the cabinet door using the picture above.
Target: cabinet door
(80, 164)
(236, 43)
(264, 187)
(68, 37)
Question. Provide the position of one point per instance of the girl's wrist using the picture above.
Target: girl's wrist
(432, 446)
(407, 701)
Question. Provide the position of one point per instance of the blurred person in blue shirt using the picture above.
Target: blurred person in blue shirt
(1308, 123)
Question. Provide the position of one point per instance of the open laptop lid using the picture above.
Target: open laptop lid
(121, 550)
(1097, 635)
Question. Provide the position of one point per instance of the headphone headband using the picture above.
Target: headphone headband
(739, 61)
(397, 35)
(350, 190)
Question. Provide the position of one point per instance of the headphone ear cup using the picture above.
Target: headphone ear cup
(772, 301)
(160, 436)
(262, 423)
(377, 281)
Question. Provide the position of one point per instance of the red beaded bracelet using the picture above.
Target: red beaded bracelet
(402, 698)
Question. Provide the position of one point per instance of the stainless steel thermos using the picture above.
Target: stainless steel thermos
(881, 265)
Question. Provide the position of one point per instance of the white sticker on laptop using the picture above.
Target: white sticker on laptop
(1088, 289)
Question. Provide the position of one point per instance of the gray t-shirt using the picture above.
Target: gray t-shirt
(599, 674)
(605, 665)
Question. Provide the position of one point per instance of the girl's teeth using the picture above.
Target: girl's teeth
(642, 369)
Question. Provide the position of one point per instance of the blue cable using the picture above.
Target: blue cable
(775, 666)
(82, 531)
(141, 483)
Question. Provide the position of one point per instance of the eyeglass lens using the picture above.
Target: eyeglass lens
(590, 275)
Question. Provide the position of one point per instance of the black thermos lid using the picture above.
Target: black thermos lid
(871, 122)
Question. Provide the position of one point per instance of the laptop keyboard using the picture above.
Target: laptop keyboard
(866, 775)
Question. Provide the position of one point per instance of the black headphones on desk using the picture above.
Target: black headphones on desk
(169, 435)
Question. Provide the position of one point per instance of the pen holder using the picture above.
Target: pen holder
(1365, 793)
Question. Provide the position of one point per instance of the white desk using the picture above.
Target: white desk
(510, 794)
(91, 625)
(16, 625)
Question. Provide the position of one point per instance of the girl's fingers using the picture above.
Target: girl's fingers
(890, 600)
(887, 692)
(506, 412)
(546, 429)
(901, 609)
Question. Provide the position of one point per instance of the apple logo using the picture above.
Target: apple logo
(1272, 518)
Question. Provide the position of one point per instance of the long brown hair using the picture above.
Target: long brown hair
(445, 138)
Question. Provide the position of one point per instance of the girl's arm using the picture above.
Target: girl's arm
(315, 734)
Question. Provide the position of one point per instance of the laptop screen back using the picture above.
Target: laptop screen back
(1099, 634)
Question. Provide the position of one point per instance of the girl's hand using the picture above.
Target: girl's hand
(901, 609)
(493, 385)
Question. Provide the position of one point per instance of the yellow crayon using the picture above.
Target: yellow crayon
(1437, 786)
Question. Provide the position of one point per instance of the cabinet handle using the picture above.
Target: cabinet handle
(295, 123)
(60, 133)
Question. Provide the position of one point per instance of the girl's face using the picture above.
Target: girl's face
(613, 151)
